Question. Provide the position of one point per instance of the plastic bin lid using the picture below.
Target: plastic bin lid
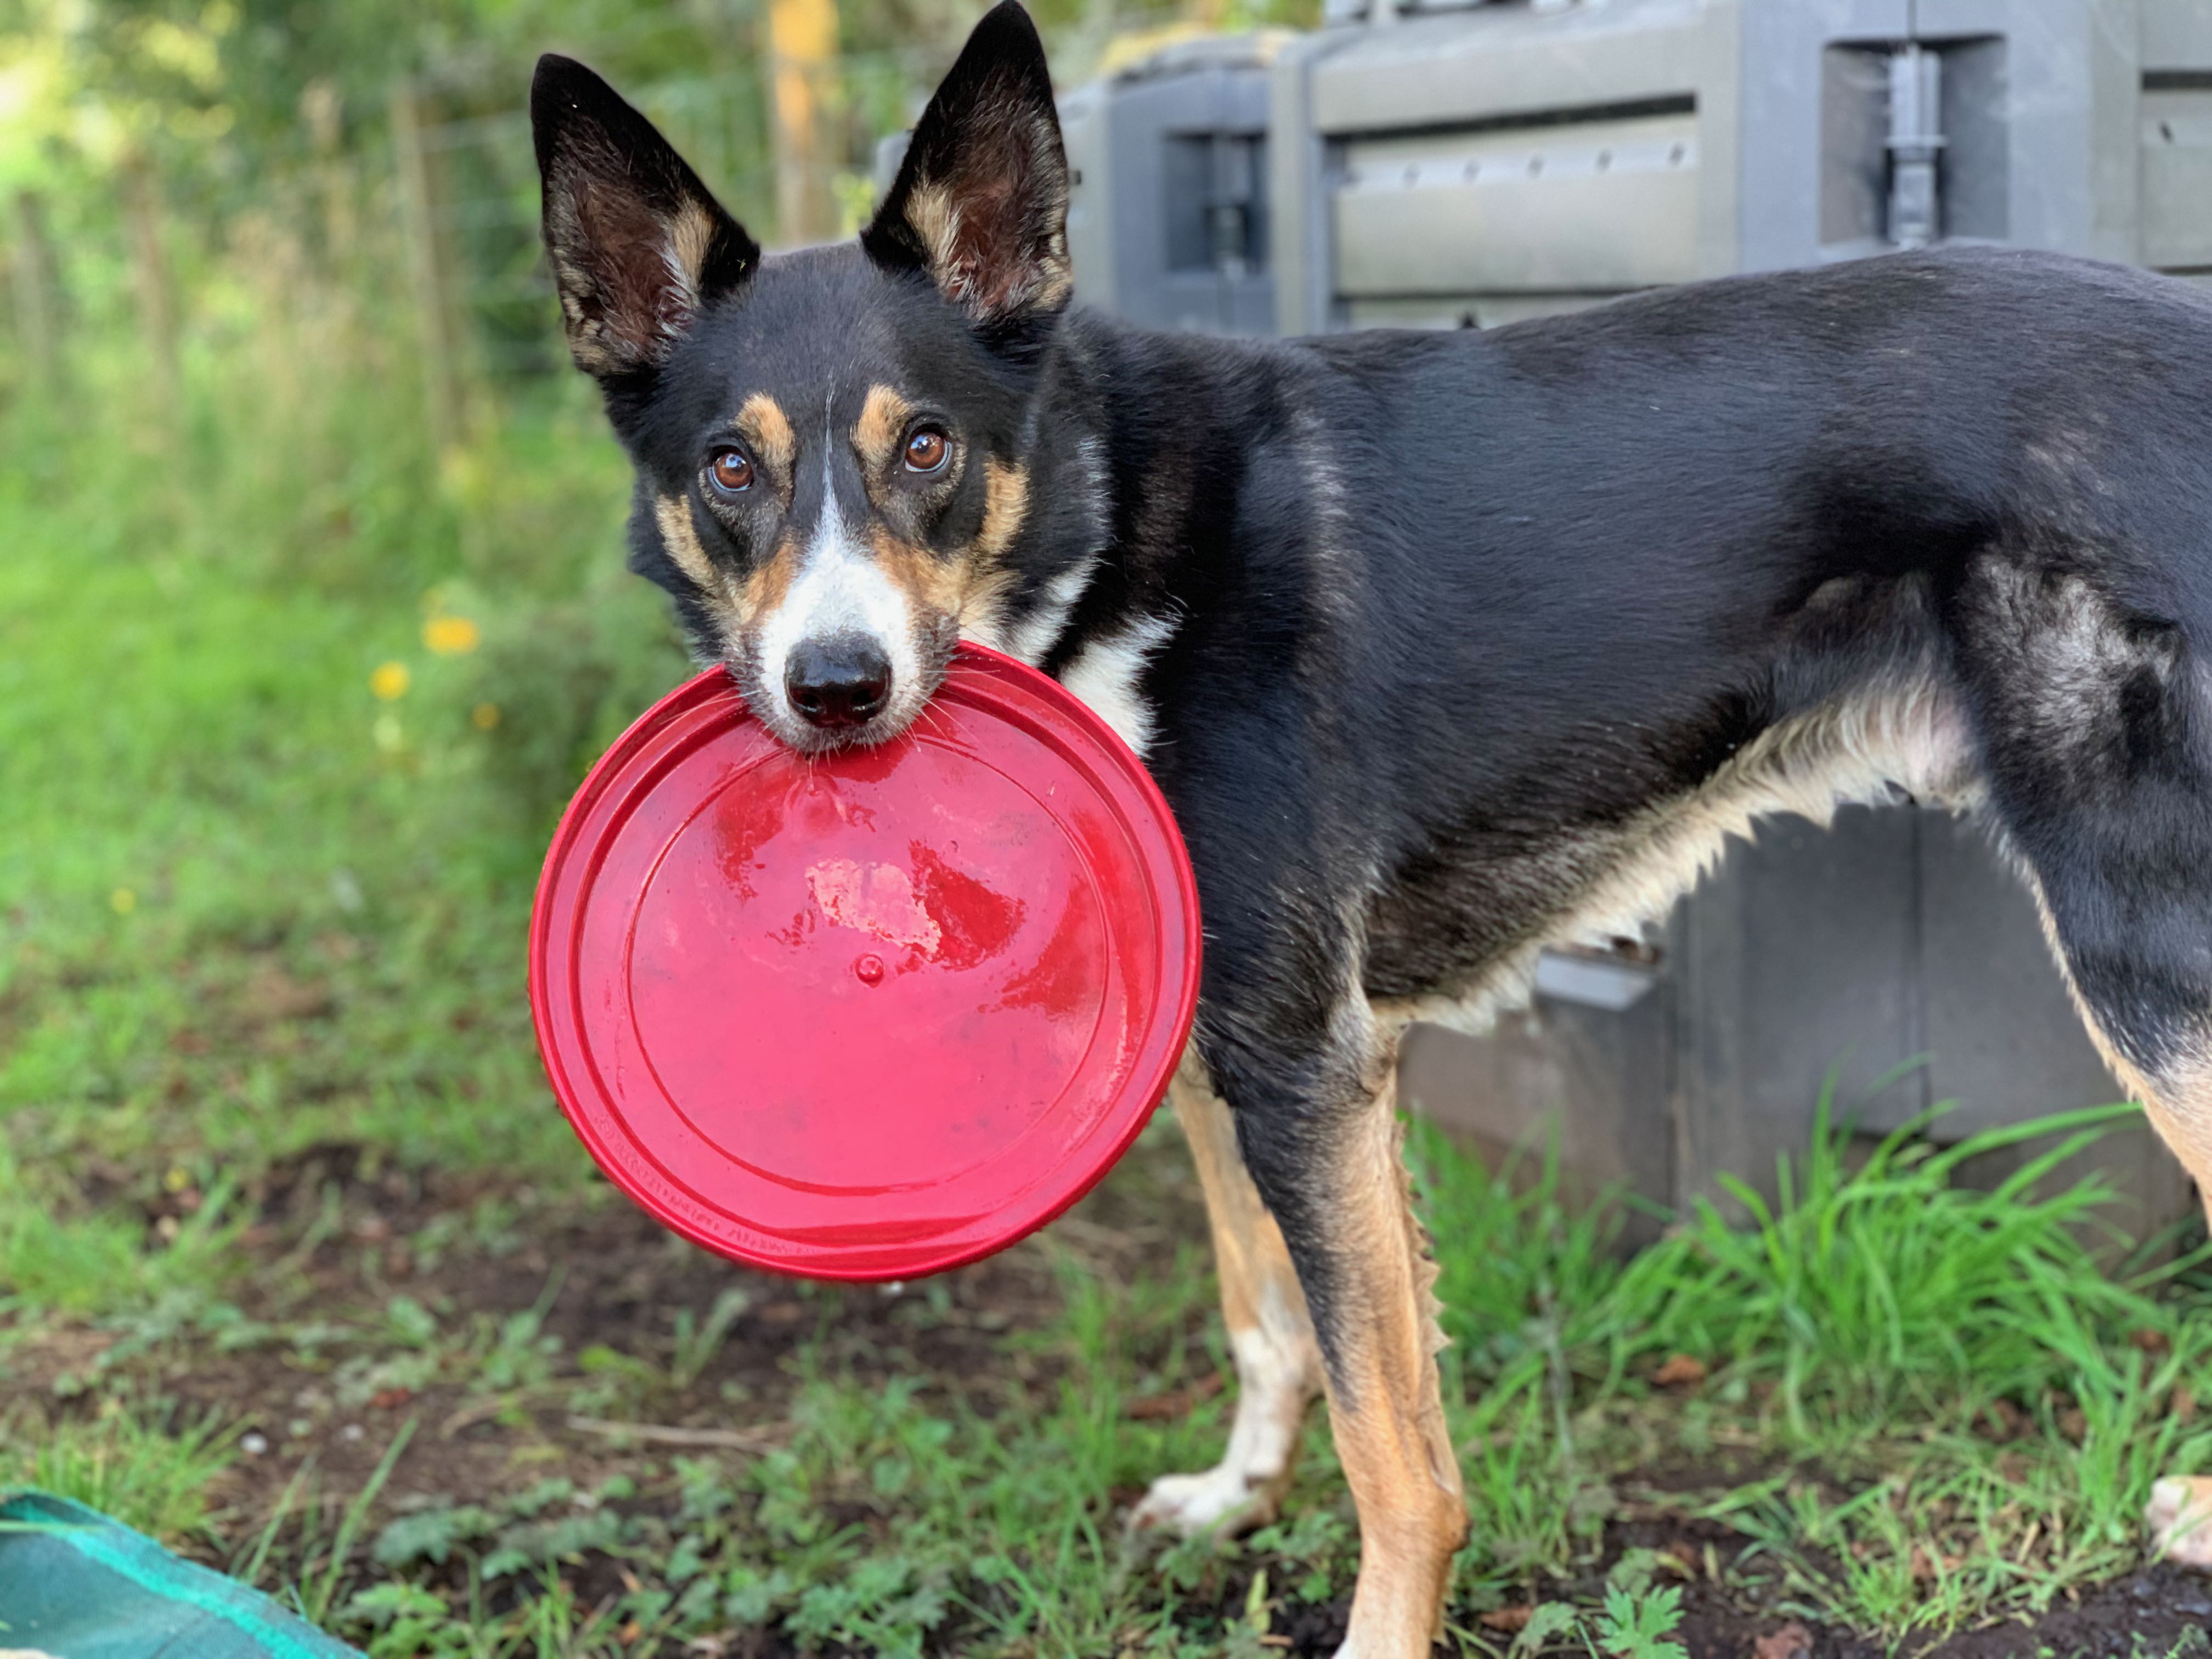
(874, 1014)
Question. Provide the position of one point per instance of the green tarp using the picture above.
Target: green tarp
(77, 1585)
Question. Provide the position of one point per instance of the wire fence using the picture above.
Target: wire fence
(435, 215)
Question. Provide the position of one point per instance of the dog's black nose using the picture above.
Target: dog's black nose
(844, 680)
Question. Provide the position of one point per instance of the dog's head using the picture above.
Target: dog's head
(830, 444)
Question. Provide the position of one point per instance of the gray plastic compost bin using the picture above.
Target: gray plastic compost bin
(1438, 165)
(1167, 212)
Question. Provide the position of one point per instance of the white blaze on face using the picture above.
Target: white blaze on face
(840, 589)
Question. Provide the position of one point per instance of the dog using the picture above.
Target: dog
(1442, 646)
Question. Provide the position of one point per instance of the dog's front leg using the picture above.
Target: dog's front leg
(1270, 1338)
(1328, 1159)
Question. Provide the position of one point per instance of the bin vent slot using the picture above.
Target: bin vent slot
(1215, 202)
(1600, 206)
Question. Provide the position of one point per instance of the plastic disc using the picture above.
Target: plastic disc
(871, 1015)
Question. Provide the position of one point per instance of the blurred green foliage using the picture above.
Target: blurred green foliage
(306, 634)
(247, 903)
(226, 89)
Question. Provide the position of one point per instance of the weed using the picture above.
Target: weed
(316, 1593)
(406, 1621)
(1636, 1626)
(696, 1343)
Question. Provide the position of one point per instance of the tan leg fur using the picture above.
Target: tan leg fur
(1385, 1408)
(2180, 1107)
(1278, 1365)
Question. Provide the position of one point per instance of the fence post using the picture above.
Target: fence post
(439, 342)
(156, 286)
(802, 49)
(322, 112)
(38, 300)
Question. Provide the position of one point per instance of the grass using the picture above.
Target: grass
(1969, 1408)
(277, 1150)
(247, 903)
(123, 1466)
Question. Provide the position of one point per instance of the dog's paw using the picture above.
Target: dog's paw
(2180, 1517)
(1217, 1500)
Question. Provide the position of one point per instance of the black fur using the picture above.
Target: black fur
(1452, 613)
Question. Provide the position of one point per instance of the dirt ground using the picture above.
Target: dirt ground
(2152, 1611)
(614, 1275)
(338, 1237)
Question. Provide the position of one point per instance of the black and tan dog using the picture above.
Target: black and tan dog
(1441, 645)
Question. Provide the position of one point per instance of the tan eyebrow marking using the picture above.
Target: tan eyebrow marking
(883, 415)
(763, 423)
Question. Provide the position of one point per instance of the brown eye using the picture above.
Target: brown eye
(926, 450)
(730, 470)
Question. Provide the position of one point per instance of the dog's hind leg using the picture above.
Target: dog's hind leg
(2096, 728)
(1270, 1338)
(2178, 1102)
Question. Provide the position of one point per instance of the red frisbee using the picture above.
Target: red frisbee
(871, 1015)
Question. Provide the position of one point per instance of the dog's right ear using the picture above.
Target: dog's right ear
(638, 246)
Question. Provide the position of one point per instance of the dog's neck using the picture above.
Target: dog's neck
(1131, 479)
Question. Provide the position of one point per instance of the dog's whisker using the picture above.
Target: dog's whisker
(935, 716)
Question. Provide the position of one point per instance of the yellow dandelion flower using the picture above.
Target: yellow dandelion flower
(451, 636)
(123, 901)
(390, 681)
(486, 716)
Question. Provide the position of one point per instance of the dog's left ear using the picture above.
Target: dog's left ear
(980, 202)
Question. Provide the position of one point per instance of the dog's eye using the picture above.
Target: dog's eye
(926, 449)
(730, 470)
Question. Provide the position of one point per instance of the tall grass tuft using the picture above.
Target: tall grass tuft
(1889, 1287)
(1875, 1322)
(1869, 1286)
